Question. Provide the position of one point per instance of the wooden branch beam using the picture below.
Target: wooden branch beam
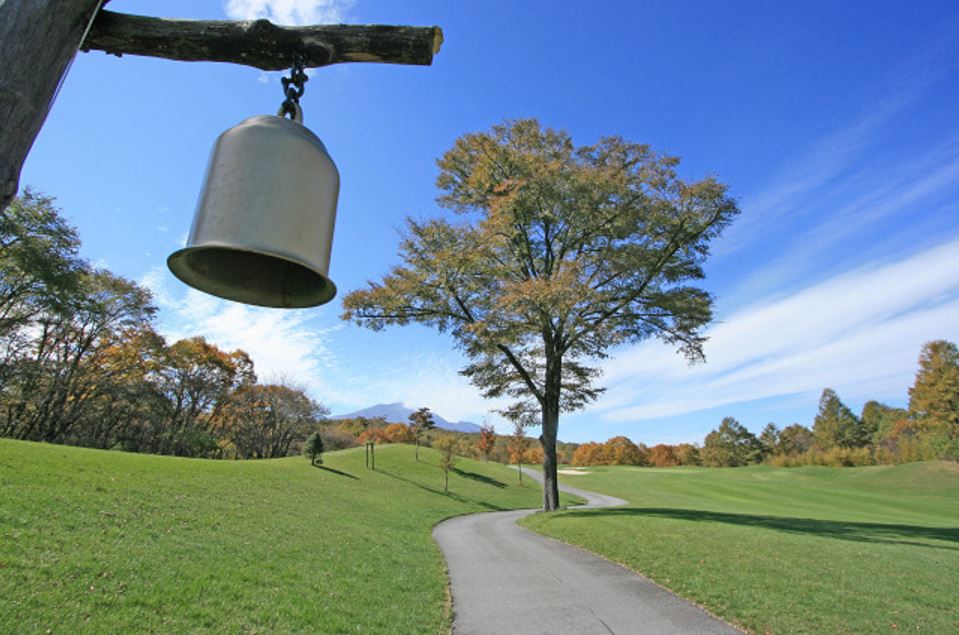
(260, 43)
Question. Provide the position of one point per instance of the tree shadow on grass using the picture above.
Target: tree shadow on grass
(330, 469)
(478, 477)
(453, 495)
(841, 530)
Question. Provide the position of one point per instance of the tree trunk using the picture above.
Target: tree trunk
(550, 477)
(38, 39)
(550, 420)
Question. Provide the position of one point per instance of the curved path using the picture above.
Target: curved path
(506, 579)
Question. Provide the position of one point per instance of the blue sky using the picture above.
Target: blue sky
(835, 125)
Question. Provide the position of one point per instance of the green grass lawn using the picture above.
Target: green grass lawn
(807, 550)
(99, 542)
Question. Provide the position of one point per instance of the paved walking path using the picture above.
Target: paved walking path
(508, 580)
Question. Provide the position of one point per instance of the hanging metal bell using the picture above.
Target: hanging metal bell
(263, 228)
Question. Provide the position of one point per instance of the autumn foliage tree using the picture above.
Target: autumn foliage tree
(590, 453)
(618, 450)
(486, 441)
(934, 397)
(263, 421)
(662, 455)
(448, 446)
(560, 253)
(687, 454)
(518, 444)
(621, 450)
(397, 433)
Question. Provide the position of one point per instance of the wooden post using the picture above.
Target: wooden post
(39, 38)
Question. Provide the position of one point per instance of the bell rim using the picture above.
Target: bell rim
(173, 261)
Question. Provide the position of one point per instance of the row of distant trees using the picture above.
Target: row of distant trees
(927, 430)
(81, 362)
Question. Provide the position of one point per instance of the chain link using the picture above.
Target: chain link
(293, 88)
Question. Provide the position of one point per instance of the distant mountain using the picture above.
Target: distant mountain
(398, 413)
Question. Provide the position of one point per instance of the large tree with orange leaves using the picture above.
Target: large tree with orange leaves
(561, 253)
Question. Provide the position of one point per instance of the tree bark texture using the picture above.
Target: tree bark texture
(550, 420)
(260, 43)
(38, 38)
(550, 476)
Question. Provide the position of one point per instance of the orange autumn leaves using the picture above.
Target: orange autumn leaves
(621, 450)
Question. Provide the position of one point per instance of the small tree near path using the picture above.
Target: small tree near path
(447, 446)
(518, 444)
(561, 254)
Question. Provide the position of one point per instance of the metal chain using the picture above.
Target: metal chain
(293, 89)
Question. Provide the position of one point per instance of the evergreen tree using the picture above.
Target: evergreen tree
(769, 439)
(835, 424)
(934, 398)
(313, 448)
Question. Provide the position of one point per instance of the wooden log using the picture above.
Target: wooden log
(38, 39)
(260, 43)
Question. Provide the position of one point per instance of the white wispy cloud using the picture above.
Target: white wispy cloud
(859, 332)
(817, 166)
(904, 188)
(290, 12)
(290, 345)
(281, 343)
(830, 168)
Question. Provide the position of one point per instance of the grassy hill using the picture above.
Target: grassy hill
(97, 542)
(810, 550)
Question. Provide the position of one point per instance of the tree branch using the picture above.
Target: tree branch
(523, 373)
(260, 43)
